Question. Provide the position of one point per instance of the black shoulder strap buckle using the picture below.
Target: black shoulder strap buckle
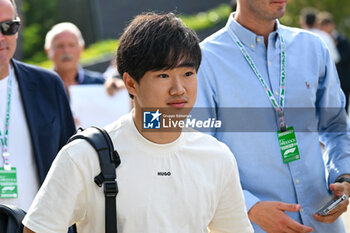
(110, 188)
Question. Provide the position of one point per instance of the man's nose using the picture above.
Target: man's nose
(177, 87)
(66, 49)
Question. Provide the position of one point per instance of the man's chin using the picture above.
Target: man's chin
(4, 59)
(280, 13)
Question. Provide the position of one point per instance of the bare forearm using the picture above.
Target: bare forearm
(26, 230)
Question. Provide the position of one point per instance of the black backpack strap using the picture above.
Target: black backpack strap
(109, 160)
(11, 219)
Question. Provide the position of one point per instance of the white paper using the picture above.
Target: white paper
(92, 106)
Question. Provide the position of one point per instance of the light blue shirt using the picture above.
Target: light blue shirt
(314, 106)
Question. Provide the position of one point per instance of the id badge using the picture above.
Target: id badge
(8, 183)
(288, 145)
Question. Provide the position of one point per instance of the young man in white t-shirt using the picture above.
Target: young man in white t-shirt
(169, 180)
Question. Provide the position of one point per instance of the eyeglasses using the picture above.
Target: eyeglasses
(10, 27)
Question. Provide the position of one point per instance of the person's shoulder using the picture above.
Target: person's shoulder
(80, 146)
(208, 144)
(93, 73)
(80, 154)
(93, 77)
(78, 149)
(214, 46)
(343, 40)
(44, 79)
(294, 33)
(34, 70)
(120, 127)
(341, 37)
(215, 38)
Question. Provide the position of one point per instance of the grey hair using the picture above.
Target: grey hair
(59, 28)
(14, 7)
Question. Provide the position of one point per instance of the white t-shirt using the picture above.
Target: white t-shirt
(19, 147)
(201, 187)
(329, 42)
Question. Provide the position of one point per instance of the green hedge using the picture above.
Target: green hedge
(205, 20)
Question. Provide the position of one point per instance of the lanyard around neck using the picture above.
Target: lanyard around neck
(278, 106)
(4, 135)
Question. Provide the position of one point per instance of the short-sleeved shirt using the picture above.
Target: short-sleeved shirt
(183, 186)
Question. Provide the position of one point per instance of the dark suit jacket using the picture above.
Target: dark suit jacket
(47, 113)
(343, 67)
(92, 77)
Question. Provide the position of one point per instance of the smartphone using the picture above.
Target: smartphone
(331, 205)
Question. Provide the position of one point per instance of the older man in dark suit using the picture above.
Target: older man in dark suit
(64, 45)
(35, 117)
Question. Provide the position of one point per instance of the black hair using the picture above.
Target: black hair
(233, 5)
(156, 42)
(309, 15)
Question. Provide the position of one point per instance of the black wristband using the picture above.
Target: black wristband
(342, 179)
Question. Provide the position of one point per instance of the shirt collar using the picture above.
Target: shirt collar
(247, 37)
(80, 75)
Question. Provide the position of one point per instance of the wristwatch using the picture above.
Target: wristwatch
(342, 179)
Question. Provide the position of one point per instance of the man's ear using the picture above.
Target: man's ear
(82, 47)
(48, 53)
(130, 84)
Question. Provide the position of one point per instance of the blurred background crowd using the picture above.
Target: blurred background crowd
(102, 22)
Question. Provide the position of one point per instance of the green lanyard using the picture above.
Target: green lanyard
(4, 138)
(277, 105)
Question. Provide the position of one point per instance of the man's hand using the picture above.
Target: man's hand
(112, 85)
(271, 217)
(338, 189)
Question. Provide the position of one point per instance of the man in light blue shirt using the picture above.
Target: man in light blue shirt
(243, 67)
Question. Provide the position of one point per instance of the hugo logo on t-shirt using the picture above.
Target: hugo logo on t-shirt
(164, 173)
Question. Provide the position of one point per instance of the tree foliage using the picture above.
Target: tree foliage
(39, 17)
